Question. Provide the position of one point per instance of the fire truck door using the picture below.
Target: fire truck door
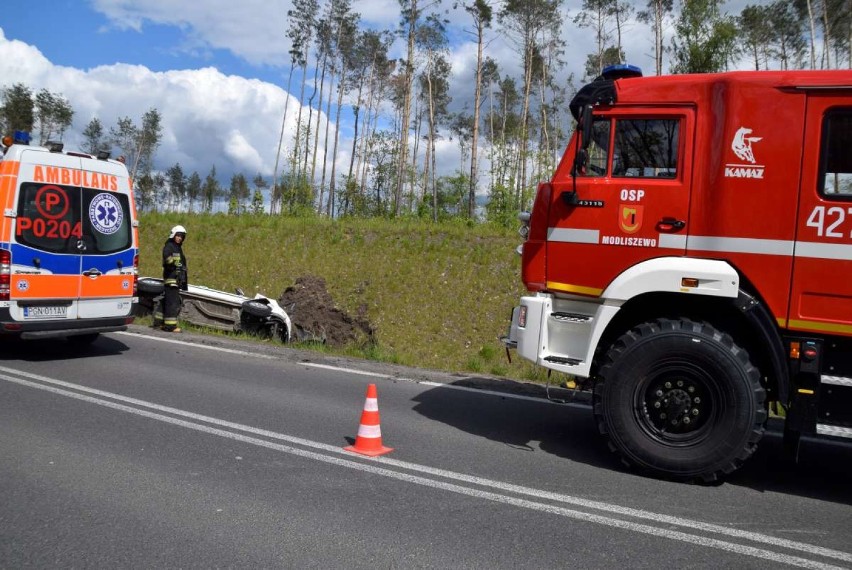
(632, 200)
(821, 292)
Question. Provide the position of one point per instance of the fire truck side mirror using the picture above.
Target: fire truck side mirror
(586, 126)
(582, 155)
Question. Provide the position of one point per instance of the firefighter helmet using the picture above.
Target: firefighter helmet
(177, 230)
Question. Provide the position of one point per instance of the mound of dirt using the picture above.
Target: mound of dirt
(315, 317)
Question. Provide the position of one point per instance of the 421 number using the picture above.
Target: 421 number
(830, 221)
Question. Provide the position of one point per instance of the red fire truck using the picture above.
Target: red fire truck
(690, 263)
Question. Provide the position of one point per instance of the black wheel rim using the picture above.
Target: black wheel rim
(677, 402)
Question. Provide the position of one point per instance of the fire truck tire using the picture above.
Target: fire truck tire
(680, 400)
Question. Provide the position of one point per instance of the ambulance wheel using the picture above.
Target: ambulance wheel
(257, 308)
(150, 286)
(680, 400)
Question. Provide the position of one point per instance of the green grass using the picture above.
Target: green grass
(438, 295)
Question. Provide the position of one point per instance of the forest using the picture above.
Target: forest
(394, 87)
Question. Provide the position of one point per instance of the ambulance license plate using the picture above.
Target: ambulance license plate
(45, 312)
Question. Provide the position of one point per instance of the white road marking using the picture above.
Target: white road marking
(53, 385)
(356, 372)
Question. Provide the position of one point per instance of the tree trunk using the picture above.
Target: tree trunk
(471, 198)
(406, 108)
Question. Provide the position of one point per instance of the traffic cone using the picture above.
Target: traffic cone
(369, 439)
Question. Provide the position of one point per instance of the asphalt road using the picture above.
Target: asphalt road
(150, 451)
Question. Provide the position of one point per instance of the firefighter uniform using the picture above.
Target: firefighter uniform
(175, 277)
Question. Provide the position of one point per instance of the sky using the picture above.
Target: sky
(216, 70)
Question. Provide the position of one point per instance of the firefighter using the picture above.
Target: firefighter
(175, 277)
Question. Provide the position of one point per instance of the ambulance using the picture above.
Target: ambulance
(68, 243)
(690, 264)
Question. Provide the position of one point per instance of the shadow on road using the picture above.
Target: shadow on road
(823, 471)
(58, 349)
(567, 431)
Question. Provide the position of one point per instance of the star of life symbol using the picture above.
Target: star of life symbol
(742, 147)
(105, 213)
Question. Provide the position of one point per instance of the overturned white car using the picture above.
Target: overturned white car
(233, 312)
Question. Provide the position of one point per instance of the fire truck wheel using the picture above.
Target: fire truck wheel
(681, 400)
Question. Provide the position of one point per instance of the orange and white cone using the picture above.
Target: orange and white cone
(369, 439)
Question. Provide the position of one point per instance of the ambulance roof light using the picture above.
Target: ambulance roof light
(54, 146)
(103, 154)
(21, 137)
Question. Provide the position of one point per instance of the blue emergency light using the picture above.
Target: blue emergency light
(21, 137)
(620, 71)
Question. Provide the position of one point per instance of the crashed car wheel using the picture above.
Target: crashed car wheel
(278, 330)
(150, 286)
(257, 309)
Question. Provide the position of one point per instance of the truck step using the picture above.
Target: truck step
(570, 317)
(836, 380)
(563, 360)
(834, 431)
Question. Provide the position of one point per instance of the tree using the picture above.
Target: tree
(595, 63)
(755, 27)
(705, 39)
(302, 20)
(411, 13)
(257, 198)
(93, 136)
(18, 109)
(145, 192)
(176, 180)
(525, 20)
(53, 115)
(210, 190)
(434, 89)
(595, 16)
(193, 189)
(346, 24)
(786, 40)
(138, 144)
(655, 15)
(837, 31)
(238, 194)
(481, 13)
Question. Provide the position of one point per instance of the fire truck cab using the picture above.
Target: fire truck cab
(68, 243)
(690, 262)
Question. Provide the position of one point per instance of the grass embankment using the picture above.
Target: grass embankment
(438, 295)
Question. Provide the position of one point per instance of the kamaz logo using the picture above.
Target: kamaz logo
(744, 172)
(742, 148)
(742, 145)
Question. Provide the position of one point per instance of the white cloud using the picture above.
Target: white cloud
(208, 118)
(254, 30)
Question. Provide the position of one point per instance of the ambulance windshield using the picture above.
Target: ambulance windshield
(68, 219)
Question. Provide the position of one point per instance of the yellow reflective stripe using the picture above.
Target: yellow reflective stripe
(568, 288)
(820, 326)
